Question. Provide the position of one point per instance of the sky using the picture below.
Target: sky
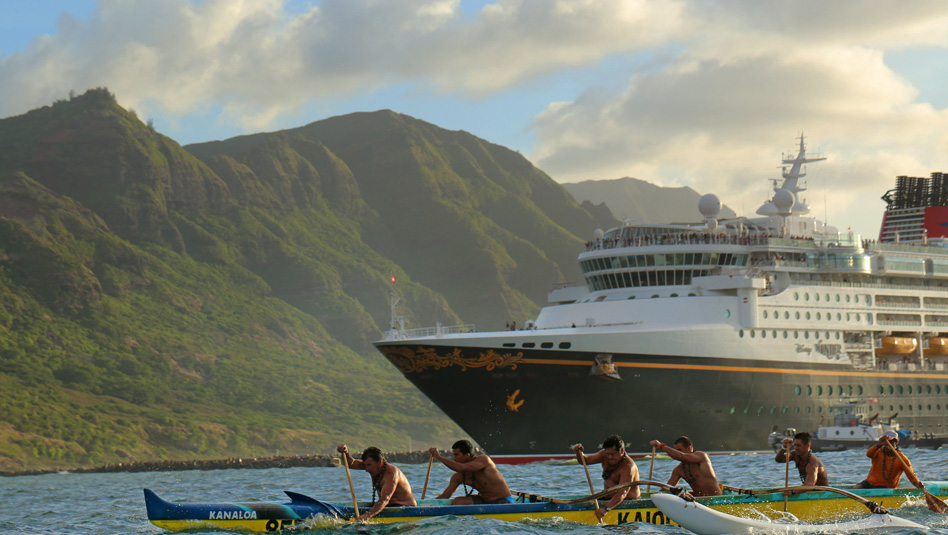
(699, 93)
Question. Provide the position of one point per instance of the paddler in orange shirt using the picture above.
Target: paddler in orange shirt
(886, 468)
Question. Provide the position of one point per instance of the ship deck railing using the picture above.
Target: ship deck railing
(422, 332)
(713, 238)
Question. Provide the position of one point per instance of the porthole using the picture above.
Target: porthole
(816, 297)
(765, 314)
(847, 316)
(819, 409)
(727, 312)
(798, 315)
(908, 389)
(808, 410)
(774, 333)
(808, 315)
(929, 406)
(818, 316)
(839, 390)
(796, 296)
(900, 390)
(819, 390)
(763, 334)
(546, 345)
(849, 390)
(773, 410)
(797, 390)
(740, 333)
(837, 298)
(816, 334)
(806, 296)
(796, 410)
(566, 345)
(928, 388)
(827, 298)
(786, 315)
(881, 389)
(752, 333)
(785, 334)
(806, 335)
(847, 298)
(891, 390)
(796, 334)
(783, 411)
(859, 390)
(809, 390)
(732, 410)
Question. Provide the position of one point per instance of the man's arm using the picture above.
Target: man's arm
(478, 463)
(782, 454)
(676, 475)
(452, 486)
(388, 490)
(354, 464)
(811, 470)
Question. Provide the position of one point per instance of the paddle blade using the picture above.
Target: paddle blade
(935, 504)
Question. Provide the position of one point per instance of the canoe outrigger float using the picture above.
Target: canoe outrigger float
(817, 506)
(703, 520)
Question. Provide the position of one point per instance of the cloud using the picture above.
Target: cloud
(262, 61)
(715, 115)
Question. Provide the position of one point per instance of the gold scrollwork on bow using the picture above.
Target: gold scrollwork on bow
(411, 360)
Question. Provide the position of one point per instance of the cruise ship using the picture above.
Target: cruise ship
(717, 330)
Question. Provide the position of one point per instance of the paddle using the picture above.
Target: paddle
(355, 505)
(650, 466)
(425, 489)
(934, 504)
(873, 506)
(582, 458)
(786, 478)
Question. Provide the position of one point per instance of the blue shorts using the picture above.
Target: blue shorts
(508, 499)
(866, 485)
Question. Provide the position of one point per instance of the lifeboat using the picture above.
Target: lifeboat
(937, 346)
(898, 345)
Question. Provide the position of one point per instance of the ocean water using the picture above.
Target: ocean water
(112, 504)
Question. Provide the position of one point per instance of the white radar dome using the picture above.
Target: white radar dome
(783, 201)
(598, 234)
(709, 205)
(801, 208)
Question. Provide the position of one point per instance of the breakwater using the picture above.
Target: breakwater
(275, 461)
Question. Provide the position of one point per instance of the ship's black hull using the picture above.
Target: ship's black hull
(518, 401)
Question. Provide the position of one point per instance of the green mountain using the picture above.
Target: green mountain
(644, 202)
(221, 299)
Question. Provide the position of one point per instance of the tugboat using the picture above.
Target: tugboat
(854, 428)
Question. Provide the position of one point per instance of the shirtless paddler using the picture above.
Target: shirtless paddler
(695, 467)
(473, 472)
(388, 482)
(617, 468)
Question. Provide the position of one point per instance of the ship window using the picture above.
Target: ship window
(806, 296)
(881, 389)
(849, 390)
(798, 314)
(819, 390)
(727, 313)
(938, 389)
(566, 345)
(837, 298)
(654, 296)
(546, 345)
(847, 316)
(796, 334)
(928, 389)
(816, 296)
(839, 390)
(784, 410)
(859, 390)
(819, 316)
(740, 333)
(891, 390)
(673, 295)
(929, 407)
(847, 298)
(900, 408)
(909, 387)
(732, 410)
(827, 298)
(773, 410)
(691, 295)
(631, 297)
(806, 335)
(785, 334)
(808, 315)
(809, 390)
(796, 296)
(510, 344)
(752, 333)
(797, 390)
(786, 315)
(763, 334)
(900, 390)
(527, 344)
(819, 409)
(910, 407)
(839, 317)
(765, 314)
(808, 410)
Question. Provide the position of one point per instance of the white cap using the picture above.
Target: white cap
(891, 434)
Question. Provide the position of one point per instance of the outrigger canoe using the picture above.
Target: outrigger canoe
(269, 516)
